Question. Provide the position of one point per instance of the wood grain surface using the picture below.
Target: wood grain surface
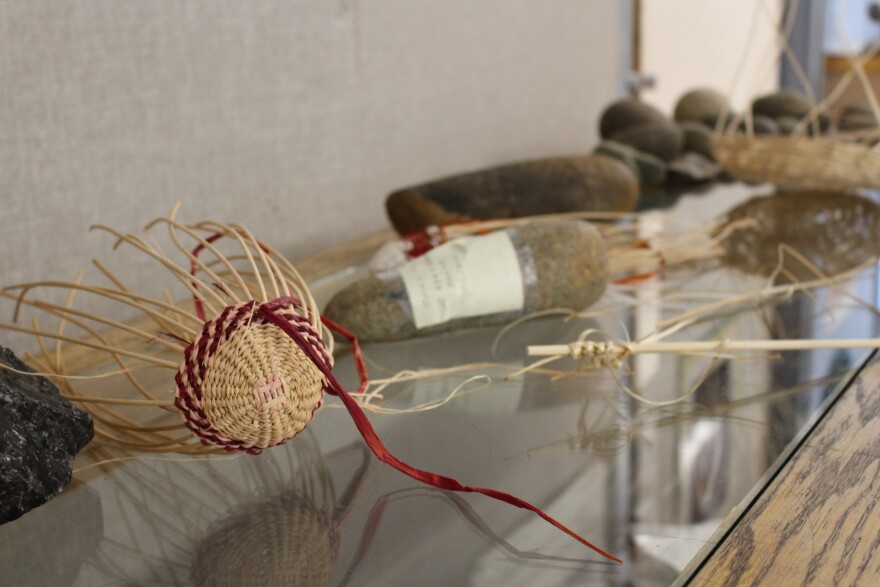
(818, 523)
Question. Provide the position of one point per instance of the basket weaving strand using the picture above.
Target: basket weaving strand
(249, 377)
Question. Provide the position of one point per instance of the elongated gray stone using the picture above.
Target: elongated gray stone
(569, 270)
(540, 186)
(660, 139)
(40, 434)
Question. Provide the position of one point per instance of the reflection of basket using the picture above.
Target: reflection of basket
(281, 541)
(800, 162)
(834, 231)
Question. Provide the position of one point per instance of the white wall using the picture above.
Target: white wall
(294, 117)
(700, 43)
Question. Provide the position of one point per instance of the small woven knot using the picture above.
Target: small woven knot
(245, 384)
(599, 354)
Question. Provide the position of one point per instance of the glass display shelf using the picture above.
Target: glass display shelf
(656, 486)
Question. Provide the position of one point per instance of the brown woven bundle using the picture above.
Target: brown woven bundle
(833, 231)
(822, 163)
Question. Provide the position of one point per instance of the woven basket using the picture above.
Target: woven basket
(834, 231)
(821, 163)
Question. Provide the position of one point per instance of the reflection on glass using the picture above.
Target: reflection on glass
(834, 231)
(653, 485)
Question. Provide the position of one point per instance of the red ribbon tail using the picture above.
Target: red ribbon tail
(359, 362)
(382, 453)
(440, 481)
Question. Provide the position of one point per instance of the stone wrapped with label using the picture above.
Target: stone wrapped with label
(478, 281)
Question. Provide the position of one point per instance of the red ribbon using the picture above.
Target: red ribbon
(268, 311)
(382, 453)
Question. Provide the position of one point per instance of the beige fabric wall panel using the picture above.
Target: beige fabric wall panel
(293, 117)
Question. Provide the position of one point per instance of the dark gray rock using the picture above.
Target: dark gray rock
(789, 104)
(40, 434)
(649, 169)
(697, 138)
(701, 105)
(661, 139)
(784, 103)
(854, 118)
(761, 125)
(787, 124)
(693, 168)
(625, 114)
(540, 186)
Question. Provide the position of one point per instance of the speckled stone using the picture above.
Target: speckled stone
(663, 140)
(543, 186)
(650, 170)
(40, 434)
(625, 114)
(697, 138)
(703, 105)
(570, 264)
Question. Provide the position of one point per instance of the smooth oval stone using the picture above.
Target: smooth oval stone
(571, 270)
(784, 103)
(697, 138)
(700, 105)
(761, 125)
(692, 168)
(544, 186)
(854, 118)
(787, 124)
(649, 169)
(660, 139)
(791, 104)
(625, 114)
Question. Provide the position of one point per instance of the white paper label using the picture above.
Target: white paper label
(469, 276)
